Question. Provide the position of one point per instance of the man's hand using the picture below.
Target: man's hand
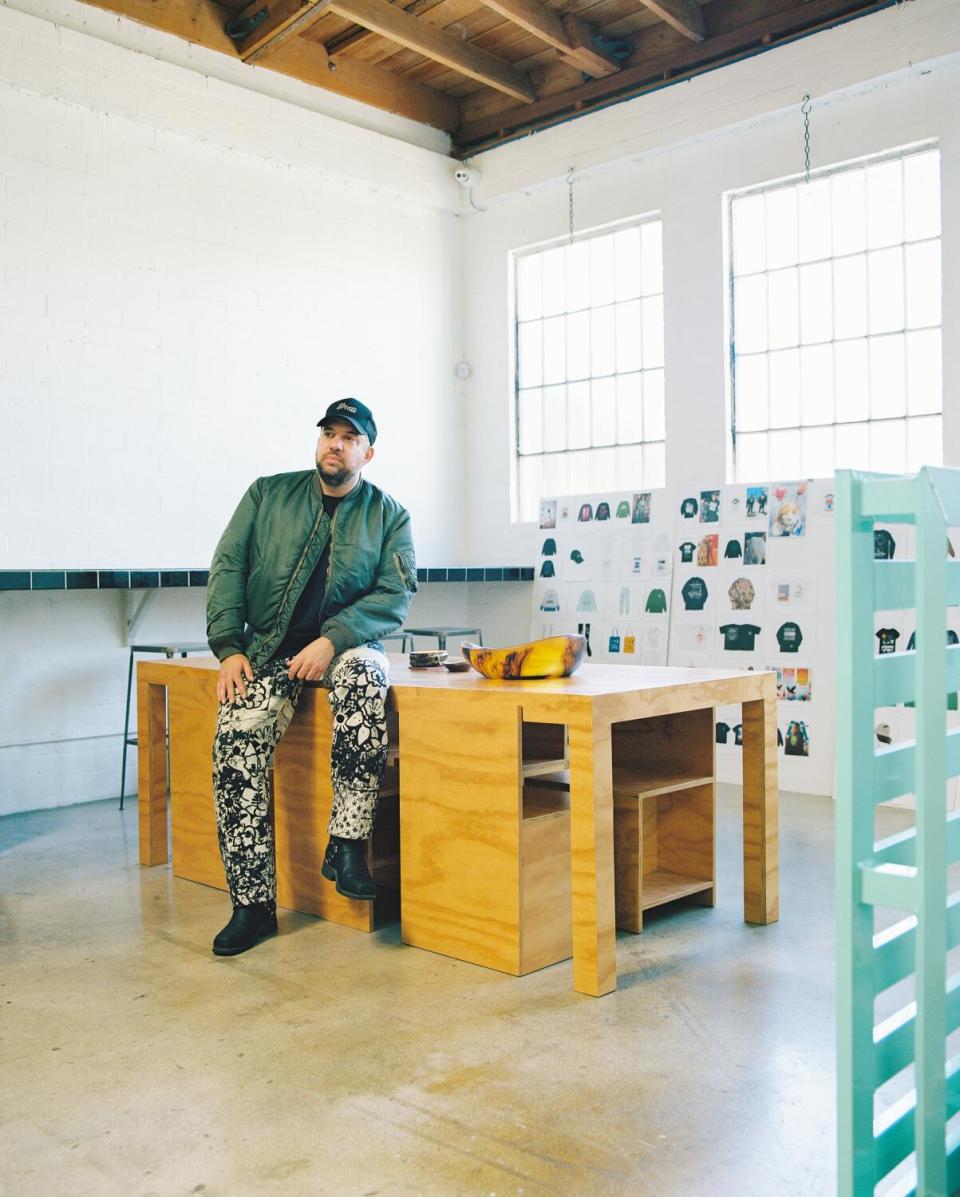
(312, 662)
(231, 686)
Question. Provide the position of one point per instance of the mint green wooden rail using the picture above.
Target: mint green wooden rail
(906, 872)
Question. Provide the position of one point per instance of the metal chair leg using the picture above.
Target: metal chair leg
(126, 730)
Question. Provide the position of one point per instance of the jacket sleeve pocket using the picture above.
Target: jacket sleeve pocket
(407, 569)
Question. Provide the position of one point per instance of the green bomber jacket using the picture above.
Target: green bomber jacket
(271, 547)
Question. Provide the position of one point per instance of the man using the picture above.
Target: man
(313, 567)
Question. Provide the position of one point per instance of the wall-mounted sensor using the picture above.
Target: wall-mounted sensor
(467, 176)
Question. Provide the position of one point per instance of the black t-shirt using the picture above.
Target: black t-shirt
(305, 621)
(687, 549)
(884, 546)
(738, 734)
(789, 637)
(888, 638)
(797, 739)
(739, 637)
(688, 508)
(723, 730)
(694, 594)
(733, 549)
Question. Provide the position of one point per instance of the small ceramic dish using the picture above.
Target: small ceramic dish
(457, 666)
(428, 658)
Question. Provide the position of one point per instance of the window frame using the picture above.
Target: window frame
(895, 154)
(516, 255)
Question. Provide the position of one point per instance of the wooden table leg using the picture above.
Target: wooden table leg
(152, 772)
(591, 848)
(761, 831)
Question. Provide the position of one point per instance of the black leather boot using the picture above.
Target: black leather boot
(246, 928)
(345, 861)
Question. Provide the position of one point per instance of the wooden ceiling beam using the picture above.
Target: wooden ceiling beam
(644, 74)
(285, 19)
(571, 35)
(201, 22)
(686, 16)
(381, 17)
(305, 60)
(584, 52)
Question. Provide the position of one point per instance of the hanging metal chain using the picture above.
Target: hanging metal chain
(805, 108)
(570, 203)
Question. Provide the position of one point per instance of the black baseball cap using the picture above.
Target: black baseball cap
(355, 413)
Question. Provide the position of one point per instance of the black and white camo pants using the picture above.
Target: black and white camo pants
(249, 730)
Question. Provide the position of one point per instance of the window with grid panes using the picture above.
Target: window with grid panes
(589, 364)
(835, 330)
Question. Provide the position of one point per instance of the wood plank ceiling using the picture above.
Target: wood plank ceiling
(490, 70)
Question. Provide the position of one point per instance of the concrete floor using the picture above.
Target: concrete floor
(327, 1061)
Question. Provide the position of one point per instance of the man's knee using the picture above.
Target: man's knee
(365, 672)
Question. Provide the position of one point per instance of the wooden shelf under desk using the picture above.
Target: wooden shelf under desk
(538, 802)
(629, 783)
(543, 768)
(660, 887)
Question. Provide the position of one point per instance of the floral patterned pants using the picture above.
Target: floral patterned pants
(249, 730)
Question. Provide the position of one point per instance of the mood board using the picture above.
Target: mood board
(723, 577)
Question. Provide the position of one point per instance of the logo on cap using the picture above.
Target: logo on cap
(343, 406)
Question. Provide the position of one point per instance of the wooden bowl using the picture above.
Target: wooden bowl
(557, 656)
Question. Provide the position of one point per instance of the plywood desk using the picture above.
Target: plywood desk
(461, 742)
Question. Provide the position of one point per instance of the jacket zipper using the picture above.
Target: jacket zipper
(326, 581)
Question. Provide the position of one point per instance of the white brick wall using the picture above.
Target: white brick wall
(176, 310)
(189, 272)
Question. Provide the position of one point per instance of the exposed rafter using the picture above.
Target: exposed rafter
(648, 72)
(686, 16)
(487, 70)
(201, 22)
(381, 17)
(288, 18)
(284, 20)
(570, 35)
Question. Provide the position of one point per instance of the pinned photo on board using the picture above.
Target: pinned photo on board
(709, 506)
(742, 594)
(793, 685)
(585, 514)
(756, 502)
(708, 549)
(755, 548)
(788, 509)
(641, 508)
(796, 741)
(548, 513)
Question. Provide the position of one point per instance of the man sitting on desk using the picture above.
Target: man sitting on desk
(314, 566)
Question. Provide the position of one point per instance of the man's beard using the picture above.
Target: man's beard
(334, 477)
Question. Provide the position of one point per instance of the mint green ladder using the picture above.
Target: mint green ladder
(906, 872)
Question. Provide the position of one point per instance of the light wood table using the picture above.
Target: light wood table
(461, 751)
